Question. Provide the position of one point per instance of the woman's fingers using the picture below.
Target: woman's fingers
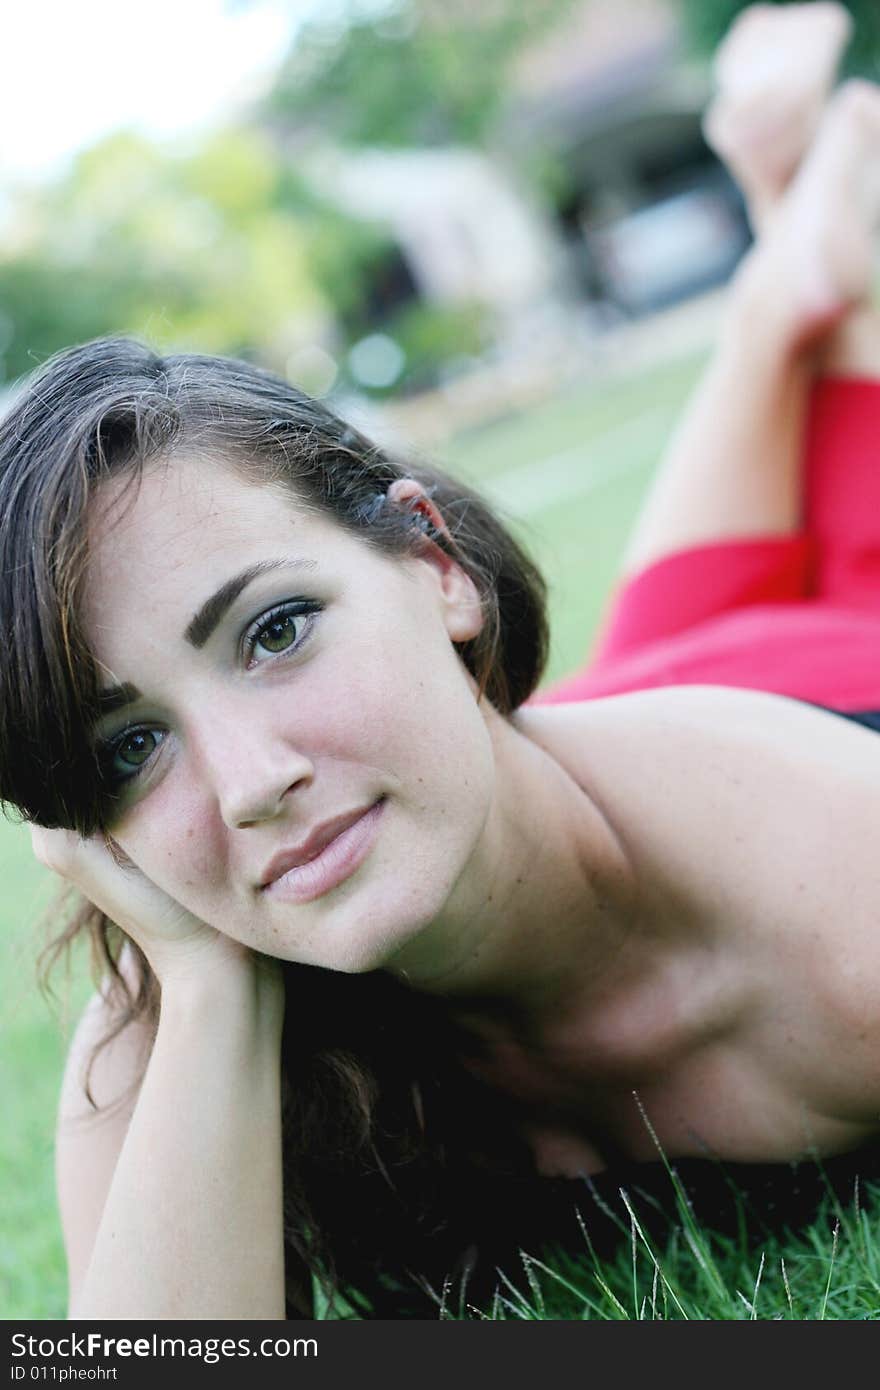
(54, 848)
(104, 874)
(177, 944)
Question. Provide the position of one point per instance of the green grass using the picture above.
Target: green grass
(831, 1271)
(32, 1047)
(601, 443)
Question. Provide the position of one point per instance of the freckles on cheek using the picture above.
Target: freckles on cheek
(176, 849)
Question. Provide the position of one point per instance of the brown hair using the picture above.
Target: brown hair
(367, 1104)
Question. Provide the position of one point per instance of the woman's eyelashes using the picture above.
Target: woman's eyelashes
(282, 629)
(124, 757)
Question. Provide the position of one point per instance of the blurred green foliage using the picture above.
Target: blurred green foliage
(418, 72)
(195, 250)
(708, 20)
(435, 339)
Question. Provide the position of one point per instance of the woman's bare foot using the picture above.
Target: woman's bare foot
(815, 260)
(773, 73)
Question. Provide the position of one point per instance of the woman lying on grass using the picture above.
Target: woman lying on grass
(391, 936)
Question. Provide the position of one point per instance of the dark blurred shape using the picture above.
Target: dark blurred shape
(647, 213)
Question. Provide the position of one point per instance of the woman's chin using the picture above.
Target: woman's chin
(374, 942)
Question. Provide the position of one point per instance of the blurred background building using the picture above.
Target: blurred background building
(641, 214)
(646, 212)
(591, 201)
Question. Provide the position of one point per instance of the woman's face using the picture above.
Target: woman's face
(287, 695)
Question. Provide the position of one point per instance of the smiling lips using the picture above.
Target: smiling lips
(327, 858)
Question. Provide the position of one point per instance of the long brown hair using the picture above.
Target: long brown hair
(387, 1143)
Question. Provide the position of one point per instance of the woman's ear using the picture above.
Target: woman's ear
(463, 610)
(409, 495)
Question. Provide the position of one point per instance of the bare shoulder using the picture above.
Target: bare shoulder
(99, 1091)
(708, 768)
(755, 817)
(706, 741)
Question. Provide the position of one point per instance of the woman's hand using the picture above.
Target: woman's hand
(174, 941)
(177, 1211)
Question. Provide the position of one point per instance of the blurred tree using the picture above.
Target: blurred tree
(211, 249)
(708, 20)
(345, 255)
(223, 247)
(404, 72)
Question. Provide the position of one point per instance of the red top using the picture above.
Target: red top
(796, 615)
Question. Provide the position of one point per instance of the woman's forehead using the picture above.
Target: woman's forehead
(191, 509)
(163, 542)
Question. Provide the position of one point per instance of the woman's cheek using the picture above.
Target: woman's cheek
(173, 842)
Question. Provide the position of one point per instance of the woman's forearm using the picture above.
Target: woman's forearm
(192, 1227)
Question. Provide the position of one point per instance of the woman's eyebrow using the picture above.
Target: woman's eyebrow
(201, 626)
(203, 623)
(115, 697)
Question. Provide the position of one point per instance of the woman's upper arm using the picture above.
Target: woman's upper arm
(89, 1137)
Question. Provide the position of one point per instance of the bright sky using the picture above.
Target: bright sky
(71, 70)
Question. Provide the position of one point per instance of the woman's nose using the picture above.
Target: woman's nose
(250, 771)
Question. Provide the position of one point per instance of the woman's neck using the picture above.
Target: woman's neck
(537, 918)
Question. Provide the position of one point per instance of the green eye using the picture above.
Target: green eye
(281, 630)
(136, 747)
(122, 759)
(278, 635)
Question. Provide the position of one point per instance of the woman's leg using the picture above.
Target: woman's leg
(734, 468)
(842, 470)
